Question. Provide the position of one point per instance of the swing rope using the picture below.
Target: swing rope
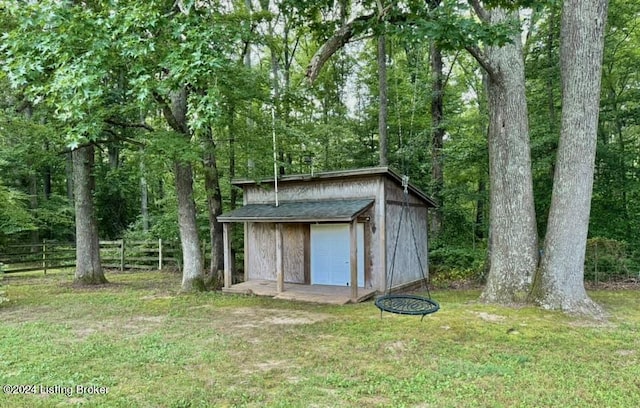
(399, 303)
(403, 303)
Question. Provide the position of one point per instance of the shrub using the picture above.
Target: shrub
(453, 264)
(607, 260)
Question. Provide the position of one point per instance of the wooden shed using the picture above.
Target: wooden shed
(331, 237)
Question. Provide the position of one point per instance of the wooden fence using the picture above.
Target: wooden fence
(120, 254)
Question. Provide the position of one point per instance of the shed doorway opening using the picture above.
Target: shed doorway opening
(330, 254)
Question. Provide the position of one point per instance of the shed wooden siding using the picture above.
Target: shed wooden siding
(261, 256)
(261, 251)
(295, 240)
(395, 194)
(316, 190)
(379, 255)
(261, 260)
(407, 266)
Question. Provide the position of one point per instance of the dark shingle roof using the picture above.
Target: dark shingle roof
(299, 211)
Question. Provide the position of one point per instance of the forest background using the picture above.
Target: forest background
(163, 95)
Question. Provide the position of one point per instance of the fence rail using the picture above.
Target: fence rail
(120, 254)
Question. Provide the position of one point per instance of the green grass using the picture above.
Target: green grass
(153, 347)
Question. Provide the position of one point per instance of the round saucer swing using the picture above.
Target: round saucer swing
(406, 304)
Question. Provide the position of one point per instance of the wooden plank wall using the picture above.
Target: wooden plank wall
(314, 190)
(261, 252)
(407, 266)
(377, 239)
(295, 238)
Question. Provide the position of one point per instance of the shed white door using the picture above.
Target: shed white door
(331, 257)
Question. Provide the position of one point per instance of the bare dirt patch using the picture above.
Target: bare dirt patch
(18, 314)
(396, 347)
(128, 326)
(268, 365)
(157, 297)
(488, 317)
(256, 317)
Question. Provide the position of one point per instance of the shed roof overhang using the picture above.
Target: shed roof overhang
(299, 211)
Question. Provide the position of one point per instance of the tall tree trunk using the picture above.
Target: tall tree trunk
(47, 176)
(192, 276)
(144, 204)
(437, 135)
(551, 97)
(480, 211)
(114, 156)
(383, 99)
(214, 204)
(88, 266)
(144, 197)
(233, 195)
(275, 88)
(68, 171)
(560, 282)
(513, 252)
(47, 182)
(33, 204)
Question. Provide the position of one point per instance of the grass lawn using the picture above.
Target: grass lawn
(151, 347)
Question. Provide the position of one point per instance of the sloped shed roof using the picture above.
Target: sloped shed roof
(300, 211)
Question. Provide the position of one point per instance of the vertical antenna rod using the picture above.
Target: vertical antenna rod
(275, 157)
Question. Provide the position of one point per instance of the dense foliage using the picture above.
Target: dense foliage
(99, 71)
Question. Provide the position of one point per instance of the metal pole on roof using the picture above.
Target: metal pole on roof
(275, 156)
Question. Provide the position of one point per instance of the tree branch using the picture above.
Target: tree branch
(347, 32)
(480, 11)
(481, 58)
(333, 44)
(446, 79)
(168, 114)
(117, 138)
(527, 41)
(141, 125)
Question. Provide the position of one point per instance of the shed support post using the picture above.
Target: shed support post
(353, 261)
(279, 258)
(226, 242)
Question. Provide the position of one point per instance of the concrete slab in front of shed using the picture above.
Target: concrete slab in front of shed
(326, 294)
